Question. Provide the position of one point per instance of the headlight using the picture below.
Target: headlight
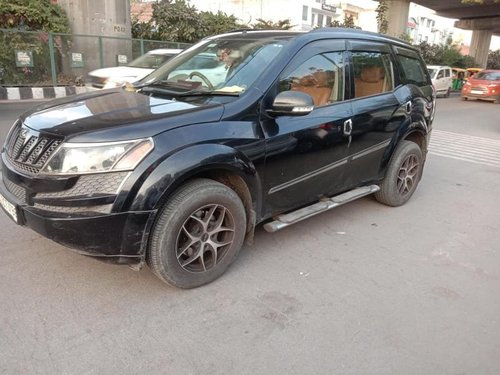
(79, 158)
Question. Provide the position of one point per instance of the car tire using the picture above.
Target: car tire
(464, 98)
(497, 100)
(197, 234)
(403, 175)
(447, 94)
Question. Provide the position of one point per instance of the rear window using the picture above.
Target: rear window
(413, 70)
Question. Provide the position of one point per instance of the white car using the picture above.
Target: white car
(441, 77)
(139, 68)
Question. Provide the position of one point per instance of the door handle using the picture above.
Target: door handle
(408, 107)
(348, 127)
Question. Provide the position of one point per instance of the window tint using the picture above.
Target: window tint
(440, 74)
(413, 71)
(373, 73)
(322, 77)
(447, 73)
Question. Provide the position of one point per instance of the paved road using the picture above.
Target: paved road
(363, 289)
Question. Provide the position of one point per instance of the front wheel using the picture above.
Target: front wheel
(197, 234)
(403, 175)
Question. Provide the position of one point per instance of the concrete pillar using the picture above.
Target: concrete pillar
(397, 16)
(106, 18)
(480, 45)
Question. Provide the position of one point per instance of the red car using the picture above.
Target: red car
(483, 85)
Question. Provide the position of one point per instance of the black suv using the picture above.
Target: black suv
(177, 170)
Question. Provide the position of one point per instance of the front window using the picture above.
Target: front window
(321, 77)
(227, 65)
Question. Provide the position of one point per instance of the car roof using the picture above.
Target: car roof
(322, 33)
(438, 66)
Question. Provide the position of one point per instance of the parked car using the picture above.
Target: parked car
(484, 85)
(441, 77)
(180, 170)
(116, 76)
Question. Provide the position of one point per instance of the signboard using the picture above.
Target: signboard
(24, 59)
(121, 60)
(77, 60)
(328, 5)
(121, 29)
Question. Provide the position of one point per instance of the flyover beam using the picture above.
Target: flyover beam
(397, 16)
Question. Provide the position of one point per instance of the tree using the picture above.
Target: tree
(219, 23)
(445, 54)
(178, 21)
(493, 60)
(347, 23)
(382, 22)
(38, 15)
(262, 24)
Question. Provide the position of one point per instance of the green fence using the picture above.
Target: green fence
(30, 58)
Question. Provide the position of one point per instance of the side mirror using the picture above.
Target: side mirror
(291, 103)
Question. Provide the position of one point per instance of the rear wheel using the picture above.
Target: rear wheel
(403, 175)
(447, 94)
(197, 235)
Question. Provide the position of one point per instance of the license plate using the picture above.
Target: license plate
(8, 207)
(476, 92)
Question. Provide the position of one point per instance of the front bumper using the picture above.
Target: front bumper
(113, 237)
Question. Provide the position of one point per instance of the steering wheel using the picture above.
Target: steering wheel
(203, 78)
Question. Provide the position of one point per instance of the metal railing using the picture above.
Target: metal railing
(31, 58)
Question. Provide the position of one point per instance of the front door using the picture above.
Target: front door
(306, 155)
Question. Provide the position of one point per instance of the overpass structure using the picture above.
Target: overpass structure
(483, 19)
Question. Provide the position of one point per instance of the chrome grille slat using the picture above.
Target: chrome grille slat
(28, 150)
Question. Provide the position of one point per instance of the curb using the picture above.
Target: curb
(30, 93)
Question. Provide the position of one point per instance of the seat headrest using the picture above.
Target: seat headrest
(372, 74)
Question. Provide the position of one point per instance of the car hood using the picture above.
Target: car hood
(482, 82)
(121, 72)
(117, 115)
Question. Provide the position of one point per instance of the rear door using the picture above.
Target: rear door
(377, 112)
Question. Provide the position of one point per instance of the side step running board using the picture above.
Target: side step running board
(326, 204)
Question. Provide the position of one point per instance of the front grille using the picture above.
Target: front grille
(484, 89)
(28, 150)
(18, 191)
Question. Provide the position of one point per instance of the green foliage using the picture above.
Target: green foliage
(38, 15)
(447, 54)
(178, 21)
(219, 23)
(262, 24)
(493, 60)
(347, 23)
(382, 22)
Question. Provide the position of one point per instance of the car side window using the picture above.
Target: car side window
(373, 73)
(321, 76)
(440, 74)
(413, 70)
(447, 73)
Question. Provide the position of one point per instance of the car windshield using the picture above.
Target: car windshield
(150, 60)
(488, 76)
(226, 65)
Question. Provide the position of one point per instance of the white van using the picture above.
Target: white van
(116, 76)
(441, 79)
